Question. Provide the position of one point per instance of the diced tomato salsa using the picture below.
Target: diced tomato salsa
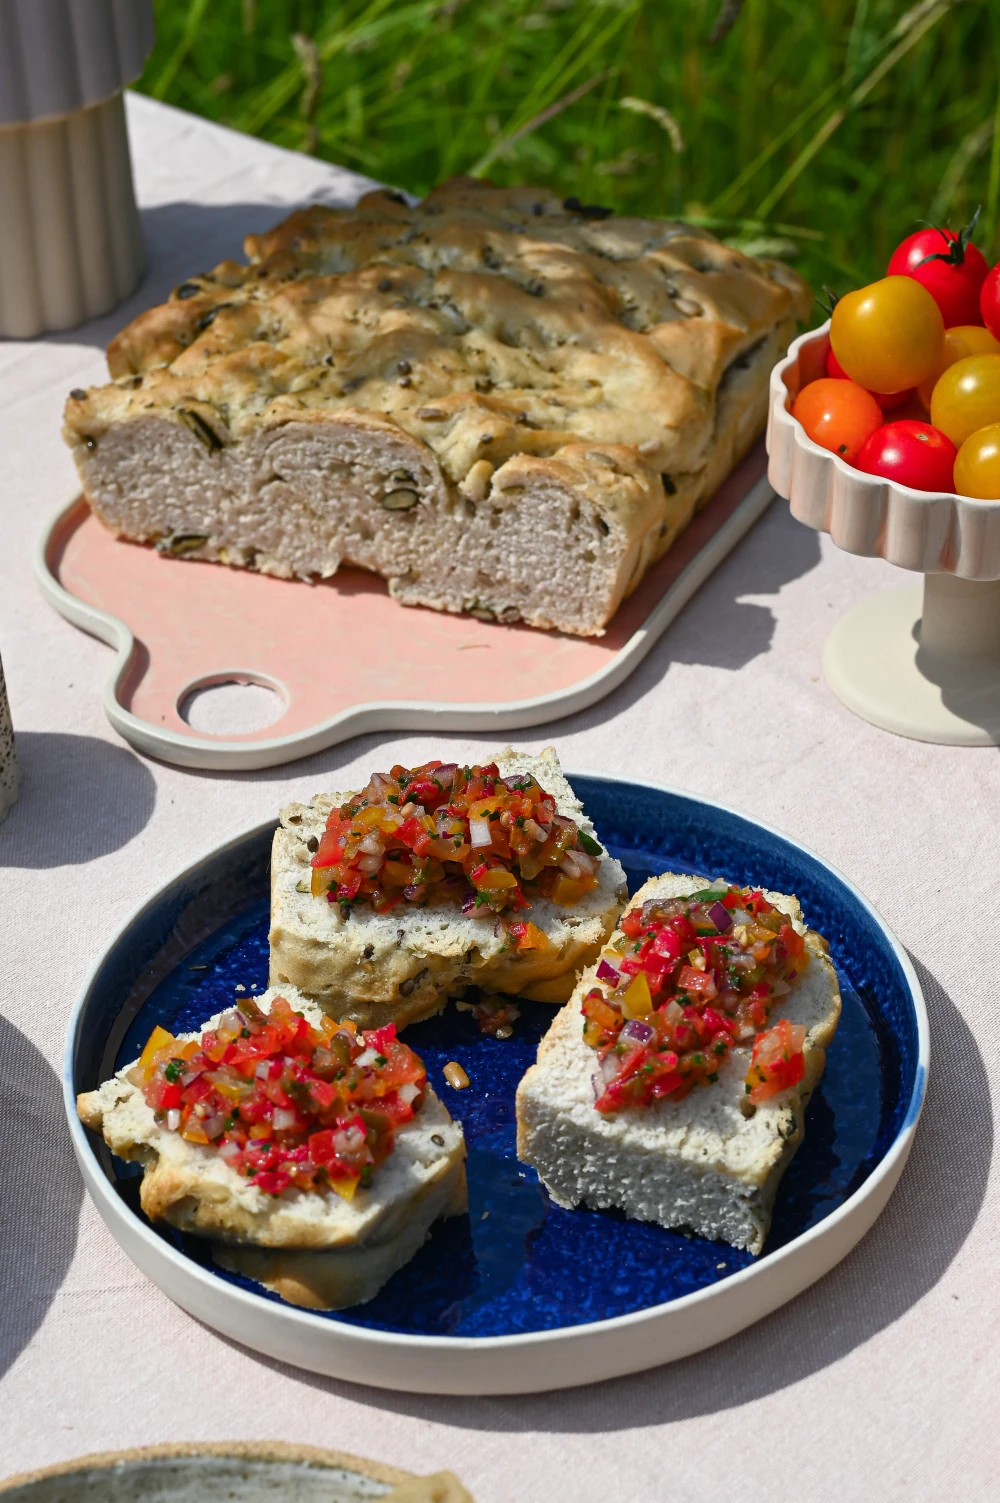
(284, 1103)
(685, 979)
(442, 833)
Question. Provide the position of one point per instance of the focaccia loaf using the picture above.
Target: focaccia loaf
(500, 402)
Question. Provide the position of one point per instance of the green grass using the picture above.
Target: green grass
(820, 130)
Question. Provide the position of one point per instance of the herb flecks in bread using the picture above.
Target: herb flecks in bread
(706, 1156)
(403, 963)
(495, 402)
(316, 1158)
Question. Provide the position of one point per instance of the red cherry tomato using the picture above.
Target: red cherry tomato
(837, 415)
(887, 400)
(911, 453)
(951, 269)
(989, 301)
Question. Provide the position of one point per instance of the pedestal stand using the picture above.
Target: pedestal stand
(919, 662)
(924, 664)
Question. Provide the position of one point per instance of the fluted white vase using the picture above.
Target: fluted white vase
(71, 245)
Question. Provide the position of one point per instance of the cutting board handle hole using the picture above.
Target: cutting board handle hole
(232, 704)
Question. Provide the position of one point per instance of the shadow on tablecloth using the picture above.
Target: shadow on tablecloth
(907, 1252)
(718, 629)
(80, 798)
(40, 1191)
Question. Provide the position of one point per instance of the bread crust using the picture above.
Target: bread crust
(402, 966)
(723, 1165)
(519, 355)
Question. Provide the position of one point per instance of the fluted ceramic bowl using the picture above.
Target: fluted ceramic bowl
(925, 531)
(923, 661)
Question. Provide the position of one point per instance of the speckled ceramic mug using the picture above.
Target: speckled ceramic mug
(9, 774)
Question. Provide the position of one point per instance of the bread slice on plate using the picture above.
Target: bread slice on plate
(708, 1163)
(501, 401)
(315, 1248)
(403, 965)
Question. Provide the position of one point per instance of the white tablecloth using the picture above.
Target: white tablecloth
(879, 1383)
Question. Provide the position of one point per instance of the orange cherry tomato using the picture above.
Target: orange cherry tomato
(887, 336)
(977, 468)
(967, 397)
(838, 415)
(962, 340)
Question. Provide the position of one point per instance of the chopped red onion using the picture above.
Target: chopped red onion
(638, 1031)
(609, 1068)
(597, 1082)
(469, 902)
(608, 973)
(719, 914)
(283, 1119)
(445, 775)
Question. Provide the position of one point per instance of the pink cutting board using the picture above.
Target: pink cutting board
(342, 654)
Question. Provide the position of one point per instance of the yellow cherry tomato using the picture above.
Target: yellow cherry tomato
(887, 336)
(967, 397)
(977, 468)
(962, 340)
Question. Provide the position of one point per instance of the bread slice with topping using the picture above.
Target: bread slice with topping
(402, 965)
(708, 1163)
(315, 1248)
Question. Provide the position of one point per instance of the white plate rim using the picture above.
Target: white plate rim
(853, 1217)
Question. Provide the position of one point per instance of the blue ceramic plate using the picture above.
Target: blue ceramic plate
(517, 1265)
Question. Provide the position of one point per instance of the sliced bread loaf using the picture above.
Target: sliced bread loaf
(707, 1163)
(315, 1248)
(402, 966)
(496, 400)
